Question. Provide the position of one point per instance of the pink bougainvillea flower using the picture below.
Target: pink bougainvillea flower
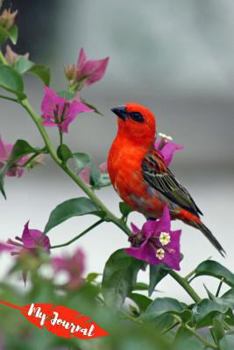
(5, 152)
(28, 245)
(167, 148)
(73, 265)
(57, 111)
(90, 71)
(30, 241)
(155, 243)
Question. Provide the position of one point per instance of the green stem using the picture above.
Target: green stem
(184, 283)
(199, 337)
(60, 137)
(78, 236)
(9, 98)
(109, 216)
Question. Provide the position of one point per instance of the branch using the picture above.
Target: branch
(78, 236)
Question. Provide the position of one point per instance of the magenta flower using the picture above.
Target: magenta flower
(73, 265)
(167, 148)
(30, 241)
(57, 111)
(156, 243)
(5, 152)
(90, 71)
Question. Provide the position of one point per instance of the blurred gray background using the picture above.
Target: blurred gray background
(175, 57)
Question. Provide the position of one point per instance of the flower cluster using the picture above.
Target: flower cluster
(155, 243)
(30, 241)
(86, 72)
(60, 112)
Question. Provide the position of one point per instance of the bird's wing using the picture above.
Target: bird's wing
(158, 176)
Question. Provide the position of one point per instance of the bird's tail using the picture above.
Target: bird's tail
(209, 235)
(196, 222)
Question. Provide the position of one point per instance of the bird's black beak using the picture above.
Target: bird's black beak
(120, 112)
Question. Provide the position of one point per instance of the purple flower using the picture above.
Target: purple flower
(90, 71)
(57, 111)
(167, 148)
(30, 241)
(5, 152)
(73, 265)
(156, 243)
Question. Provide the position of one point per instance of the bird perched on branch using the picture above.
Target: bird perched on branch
(140, 175)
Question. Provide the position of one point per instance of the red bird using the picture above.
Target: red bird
(140, 176)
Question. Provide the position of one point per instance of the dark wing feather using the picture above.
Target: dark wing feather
(158, 176)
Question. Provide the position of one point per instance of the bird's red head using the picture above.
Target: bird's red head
(136, 122)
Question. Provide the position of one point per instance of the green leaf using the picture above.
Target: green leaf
(161, 306)
(227, 343)
(157, 273)
(218, 327)
(4, 34)
(141, 300)
(215, 269)
(184, 340)
(11, 80)
(228, 297)
(64, 153)
(119, 277)
(71, 208)
(21, 148)
(92, 276)
(82, 160)
(11, 34)
(206, 310)
(125, 209)
(42, 72)
(23, 65)
(95, 175)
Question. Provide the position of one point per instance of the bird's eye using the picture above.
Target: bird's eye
(137, 117)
